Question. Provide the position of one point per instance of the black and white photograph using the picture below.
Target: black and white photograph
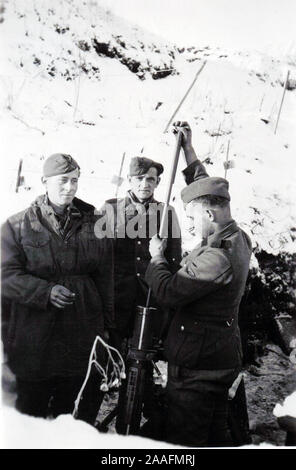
(148, 227)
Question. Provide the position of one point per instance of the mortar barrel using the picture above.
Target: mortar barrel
(143, 328)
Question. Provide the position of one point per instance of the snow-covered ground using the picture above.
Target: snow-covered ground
(25, 432)
(77, 79)
(288, 408)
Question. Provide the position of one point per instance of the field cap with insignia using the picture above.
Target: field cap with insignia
(140, 166)
(206, 186)
(59, 164)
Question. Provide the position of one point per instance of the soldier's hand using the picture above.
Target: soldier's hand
(184, 128)
(157, 246)
(61, 297)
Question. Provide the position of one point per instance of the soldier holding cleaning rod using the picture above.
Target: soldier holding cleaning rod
(203, 345)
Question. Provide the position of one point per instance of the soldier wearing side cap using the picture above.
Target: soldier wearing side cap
(203, 346)
(58, 277)
(132, 221)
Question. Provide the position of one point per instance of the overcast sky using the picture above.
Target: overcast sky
(238, 24)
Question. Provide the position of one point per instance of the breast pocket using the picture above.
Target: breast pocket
(38, 255)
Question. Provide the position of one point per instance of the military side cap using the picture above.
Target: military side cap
(209, 186)
(59, 164)
(140, 166)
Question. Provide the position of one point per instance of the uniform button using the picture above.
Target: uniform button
(174, 259)
(138, 274)
(138, 258)
(182, 328)
(139, 243)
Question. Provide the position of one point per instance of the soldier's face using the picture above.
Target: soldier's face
(61, 189)
(198, 223)
(143, 186)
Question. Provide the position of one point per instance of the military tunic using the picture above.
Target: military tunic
(206, 291)
(203, 345)
(44, 341)
(132, 224)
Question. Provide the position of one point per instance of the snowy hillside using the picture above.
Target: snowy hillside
(77, 79)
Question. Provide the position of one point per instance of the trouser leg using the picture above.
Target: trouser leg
(65, 394)
(197, 412)
(238, 418)
(219, 435)
(118, 341)
(189, 415)
(33, 397)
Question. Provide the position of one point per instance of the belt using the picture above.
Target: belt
(67, 276)
(64, 277)
(175, 371)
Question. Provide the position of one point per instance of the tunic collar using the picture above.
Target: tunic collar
(213, 240)
(133, 198)
(71, 210)
(224, 232)
(133, 205)
(51, 219)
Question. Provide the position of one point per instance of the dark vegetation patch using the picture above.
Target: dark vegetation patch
(267, 311)
(106, 49)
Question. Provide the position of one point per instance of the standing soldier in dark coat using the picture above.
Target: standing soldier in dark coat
(203, 346)
(58, 277)
(132, 221)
